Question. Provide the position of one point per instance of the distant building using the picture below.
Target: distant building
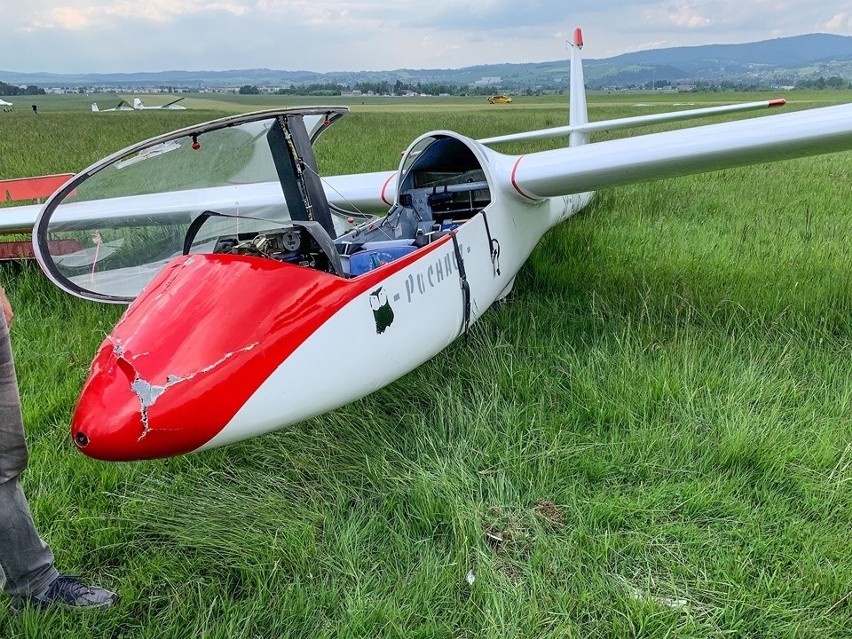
(488, 81)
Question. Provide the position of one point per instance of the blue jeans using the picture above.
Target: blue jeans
(26, 562)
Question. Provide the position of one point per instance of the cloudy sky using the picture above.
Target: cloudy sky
(83, 36)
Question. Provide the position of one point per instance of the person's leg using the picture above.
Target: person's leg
(26, 562)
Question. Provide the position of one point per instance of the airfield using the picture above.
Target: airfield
(651, 438)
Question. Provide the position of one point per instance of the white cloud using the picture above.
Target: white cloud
(140, 35)
(688, 15)
(839, 22)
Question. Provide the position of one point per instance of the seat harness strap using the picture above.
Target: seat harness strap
(463, 282)
(493, 245)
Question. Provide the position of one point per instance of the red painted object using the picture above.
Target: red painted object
(202, 352)
(23, 249)
(32, 188)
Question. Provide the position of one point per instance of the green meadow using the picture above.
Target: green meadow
(652, 438)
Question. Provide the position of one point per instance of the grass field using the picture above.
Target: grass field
(653, 438)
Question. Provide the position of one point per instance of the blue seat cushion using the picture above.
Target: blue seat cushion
(364, 261)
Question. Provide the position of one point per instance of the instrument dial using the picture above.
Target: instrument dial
(291, 240)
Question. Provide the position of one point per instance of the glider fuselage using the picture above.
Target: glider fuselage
(222, 347)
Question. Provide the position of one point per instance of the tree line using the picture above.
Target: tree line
(14, 89)
(384, 87)
(833, 82)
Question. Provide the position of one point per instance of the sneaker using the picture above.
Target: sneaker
(68, 592)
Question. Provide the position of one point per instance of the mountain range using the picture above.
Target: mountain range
(777, 61)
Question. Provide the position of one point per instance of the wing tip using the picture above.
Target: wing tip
(777, 103)
(578, 38)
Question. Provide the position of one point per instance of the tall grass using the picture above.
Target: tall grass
(652, 438)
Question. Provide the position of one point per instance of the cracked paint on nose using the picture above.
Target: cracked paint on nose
(125, 403)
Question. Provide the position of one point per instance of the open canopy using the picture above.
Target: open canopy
(114, 226)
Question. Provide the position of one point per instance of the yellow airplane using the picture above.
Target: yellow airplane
(499, 99)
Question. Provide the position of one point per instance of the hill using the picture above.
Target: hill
(781, 60)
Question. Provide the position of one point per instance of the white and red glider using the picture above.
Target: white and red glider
(246, 272)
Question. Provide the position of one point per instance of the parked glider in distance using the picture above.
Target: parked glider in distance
(3, 103)
(172, 106)
(124, 105)
(260, 295)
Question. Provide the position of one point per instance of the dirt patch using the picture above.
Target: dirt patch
(550, 511)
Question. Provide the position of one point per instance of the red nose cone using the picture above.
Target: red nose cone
(107, 421)
(118, 417)
(192, 349)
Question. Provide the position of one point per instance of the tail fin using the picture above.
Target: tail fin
(137, 103)
(578, 114)
(95, 107)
